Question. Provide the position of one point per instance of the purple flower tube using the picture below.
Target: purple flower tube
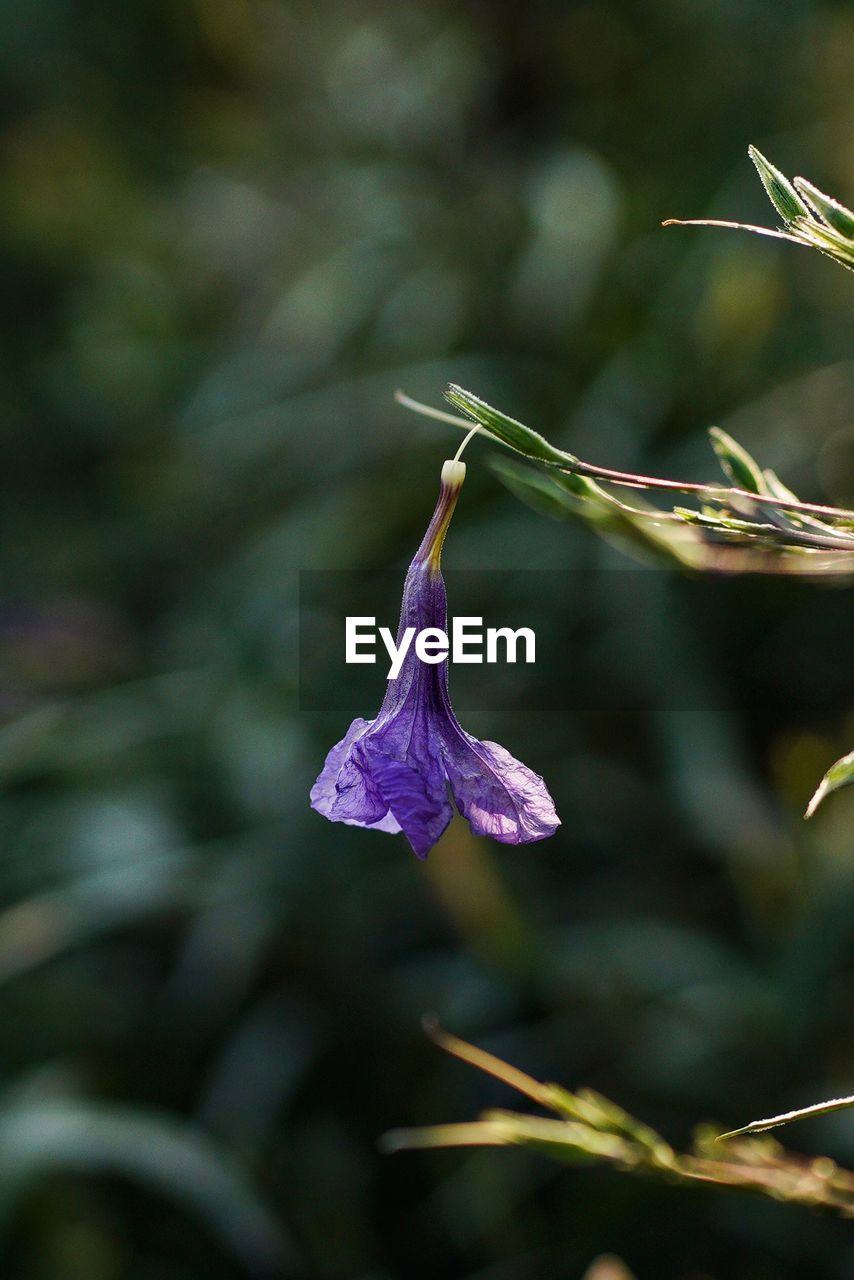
(394, 773)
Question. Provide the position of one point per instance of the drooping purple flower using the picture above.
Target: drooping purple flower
(394, 773)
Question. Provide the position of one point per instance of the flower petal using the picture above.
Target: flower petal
(344, 792)
(415, 791)
(500, 796)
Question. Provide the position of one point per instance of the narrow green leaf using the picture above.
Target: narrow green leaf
(476, 1133)
(564, 1140)
(803, 1113)
(829, 210)
(736, 463)
(535, 488)
(781, 193)
(510, 432)
(826, 239)
(817, 221)
(485, 1061)
(777, 489)
(838, 775)
(592, 1129)
(798, 519)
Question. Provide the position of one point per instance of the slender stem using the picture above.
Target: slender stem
(632, 480)
(731, 226)
(717, 492)
(473, 432)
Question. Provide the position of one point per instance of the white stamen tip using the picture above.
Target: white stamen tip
(453, 471)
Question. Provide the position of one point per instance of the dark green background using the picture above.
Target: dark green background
(230, 228)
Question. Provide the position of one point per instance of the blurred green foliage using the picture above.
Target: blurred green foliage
(229, 231)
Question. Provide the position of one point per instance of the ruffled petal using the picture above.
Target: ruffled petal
(345, 792)
(415, 792)
(501, 797)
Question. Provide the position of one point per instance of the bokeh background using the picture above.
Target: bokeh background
(229, 231)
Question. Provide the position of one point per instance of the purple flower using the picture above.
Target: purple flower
(393, 773)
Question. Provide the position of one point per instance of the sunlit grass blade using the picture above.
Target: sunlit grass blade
(838, 775)
(487, 1062)
(510, 432)
(800, 518)
(593, 1130)
(781, 193)
(737, 464)
(538, 490)
(828, 241)
(786, 1117)
(477, 1133)
(810, 218)
(831, 211)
